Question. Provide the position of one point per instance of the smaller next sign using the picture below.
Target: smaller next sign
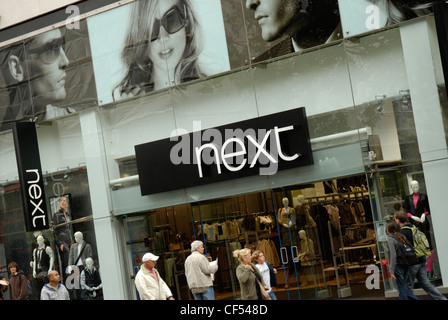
(30, 175)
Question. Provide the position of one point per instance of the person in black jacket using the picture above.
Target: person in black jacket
(417, 271)
(63, 233)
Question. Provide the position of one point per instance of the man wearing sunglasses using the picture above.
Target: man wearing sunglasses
(305, 23)
(43, 65)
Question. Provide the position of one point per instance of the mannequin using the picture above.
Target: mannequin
(79, 251)
(306, 256)
(43, 258)
(43, 262)
(286, 215)
(303, 213)
(91, 282)
(286, 221)
(416, 204)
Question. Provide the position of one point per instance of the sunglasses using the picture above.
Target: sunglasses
(172, 21)
(50, 51)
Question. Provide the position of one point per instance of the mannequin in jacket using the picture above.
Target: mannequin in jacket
(91, 281)
(43, 259)
(79, 251)
(42, 263)
(286, 215)
(416, 204)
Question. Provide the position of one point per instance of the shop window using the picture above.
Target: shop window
(71, 235)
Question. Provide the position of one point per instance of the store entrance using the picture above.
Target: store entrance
(319, 238)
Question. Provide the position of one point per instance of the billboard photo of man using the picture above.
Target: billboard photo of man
(303, 24)
(46, 76)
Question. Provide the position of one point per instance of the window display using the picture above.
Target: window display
(68, 247)
(299, 239)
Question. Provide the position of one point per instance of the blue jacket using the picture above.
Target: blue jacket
(272, 276)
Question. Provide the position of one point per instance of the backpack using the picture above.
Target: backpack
(405, 254)
(421, 243)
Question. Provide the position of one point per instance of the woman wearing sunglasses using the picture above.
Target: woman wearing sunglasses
(160, 47)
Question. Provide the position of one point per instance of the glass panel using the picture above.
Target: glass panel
(328, 238)
(167, 233)
(208, 104)
(380, 71)
(69, 246)
(316, 79)
(231, 224)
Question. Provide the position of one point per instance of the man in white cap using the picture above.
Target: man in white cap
(199, 273)
(149, 284)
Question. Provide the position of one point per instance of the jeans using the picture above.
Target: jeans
(208, 294)
(401, 274)
(272, 294)
(418, 272)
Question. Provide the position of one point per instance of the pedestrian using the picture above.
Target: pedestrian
(249, 276)
(148, 281)
(198, 271)
(18, 285)
(267, 272)
(54, 290)
(417, 271)
(399, 271)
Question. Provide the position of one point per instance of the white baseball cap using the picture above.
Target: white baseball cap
(149, 256)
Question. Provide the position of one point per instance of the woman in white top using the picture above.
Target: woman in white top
(267, 272)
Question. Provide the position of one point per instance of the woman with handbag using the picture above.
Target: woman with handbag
(249, 277)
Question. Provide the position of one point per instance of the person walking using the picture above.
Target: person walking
(148, 281)
(198, 271)
(418, 271)
(18, 285)
(398, 270)
(249, 276)
(267, 272)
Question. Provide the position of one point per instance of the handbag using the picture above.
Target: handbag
(264, 294)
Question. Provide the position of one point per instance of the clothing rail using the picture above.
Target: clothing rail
(355, 195)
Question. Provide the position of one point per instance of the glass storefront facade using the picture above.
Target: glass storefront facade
(376, 111)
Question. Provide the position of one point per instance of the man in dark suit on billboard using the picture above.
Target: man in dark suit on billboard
(305, 23)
